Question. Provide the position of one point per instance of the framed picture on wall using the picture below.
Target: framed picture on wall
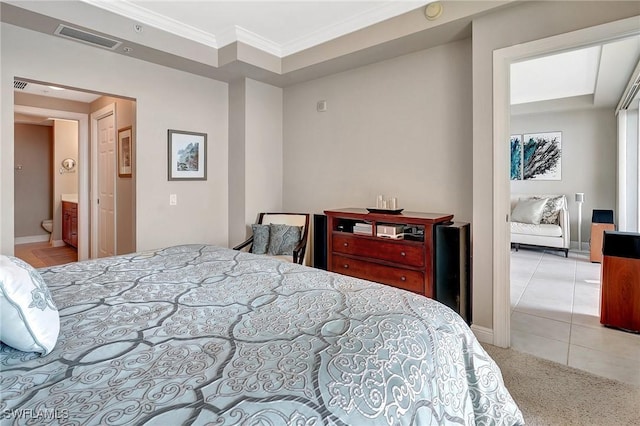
(542, 156)
(125, 142)
(187, 155)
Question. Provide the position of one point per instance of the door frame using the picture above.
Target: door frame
(502, 59)
(83, 167)
(103, 112)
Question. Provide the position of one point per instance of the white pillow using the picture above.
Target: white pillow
(29, 320)
(528, 211)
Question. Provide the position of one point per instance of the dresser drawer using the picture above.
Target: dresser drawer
(396, 277)
(403, 253)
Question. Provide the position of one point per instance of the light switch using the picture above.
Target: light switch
(173, 199)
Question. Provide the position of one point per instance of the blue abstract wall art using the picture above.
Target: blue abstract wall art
(516, 157)
(536, 156)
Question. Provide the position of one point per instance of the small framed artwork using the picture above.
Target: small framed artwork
(187, 155)
(125, 142)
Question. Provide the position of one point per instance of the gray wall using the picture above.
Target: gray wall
(589, 141)
(401, 127)
(34, 185)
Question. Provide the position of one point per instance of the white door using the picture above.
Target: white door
(106, 186)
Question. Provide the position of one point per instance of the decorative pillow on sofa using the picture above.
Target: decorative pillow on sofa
(551, 209)
(528, 211)
(29, 320)
(260, 238)
(283, 238)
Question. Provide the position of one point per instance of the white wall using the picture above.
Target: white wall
(65, 145)
(166, 99)
(401, 127)
(255, 154)
(632, 171)
(589, 141)
(263, 149)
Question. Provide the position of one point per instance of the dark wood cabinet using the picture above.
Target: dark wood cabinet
(406, 262)
(620, 284)
(70, 223)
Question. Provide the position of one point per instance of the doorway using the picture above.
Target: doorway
(501, 63)
(122, 233)
(82, 166)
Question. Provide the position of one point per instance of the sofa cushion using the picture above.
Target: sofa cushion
(543, 230)
(551, 209)
(528, 211)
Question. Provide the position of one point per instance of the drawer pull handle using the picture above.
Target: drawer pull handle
(403, 254)
(346, 266)
(403, 278)
(346, 244)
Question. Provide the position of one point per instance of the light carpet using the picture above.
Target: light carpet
(549, 393)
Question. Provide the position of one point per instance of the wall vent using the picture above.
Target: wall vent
(19, 85)
(86, 37)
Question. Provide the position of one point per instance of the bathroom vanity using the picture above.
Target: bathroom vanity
(70, 223)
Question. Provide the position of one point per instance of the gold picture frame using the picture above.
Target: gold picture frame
(125, 149)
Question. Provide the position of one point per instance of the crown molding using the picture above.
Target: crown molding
(239, 34)
(355, 23)
(162, 22)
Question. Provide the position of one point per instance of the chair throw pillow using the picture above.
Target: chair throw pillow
(283, 239)
(260, 238)
(551, 209)
(528, 211)
(29, 320)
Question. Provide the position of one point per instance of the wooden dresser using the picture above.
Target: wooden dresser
(406, 263)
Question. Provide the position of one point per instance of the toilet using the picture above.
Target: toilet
(47, 225)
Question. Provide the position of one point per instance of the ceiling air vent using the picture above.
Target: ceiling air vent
(19, 85)
(86, 37)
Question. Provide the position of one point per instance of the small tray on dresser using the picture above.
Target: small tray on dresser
(384, 211)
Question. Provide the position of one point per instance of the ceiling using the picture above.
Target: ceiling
(277, 27)
(595, 76)
(285, 42)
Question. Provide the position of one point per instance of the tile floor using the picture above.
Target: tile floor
(555, 314)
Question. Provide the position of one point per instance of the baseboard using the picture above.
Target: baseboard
(31, 239)
(57, 243)
(483, 334)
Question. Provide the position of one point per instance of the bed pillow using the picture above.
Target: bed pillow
(260, 238)
(528, 211)
(29, 320)
(283, 239)
(551, 209)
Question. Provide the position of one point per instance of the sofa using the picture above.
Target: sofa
(540, 220)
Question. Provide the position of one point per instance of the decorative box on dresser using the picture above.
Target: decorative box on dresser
(406, 262)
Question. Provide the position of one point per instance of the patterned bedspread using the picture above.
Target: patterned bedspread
(200, 334)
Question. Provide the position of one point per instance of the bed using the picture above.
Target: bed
(199, 334)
